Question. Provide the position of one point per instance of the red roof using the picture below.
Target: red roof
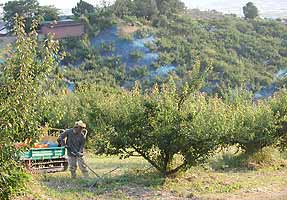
(62, 23)
(63, 29)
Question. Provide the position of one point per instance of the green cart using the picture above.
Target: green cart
(51, 159)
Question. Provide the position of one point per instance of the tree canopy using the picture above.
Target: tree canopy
(49, 13)
(147, 8)
(250, 11)
(29, 10)
(83, 8)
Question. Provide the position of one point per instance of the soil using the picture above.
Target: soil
(147, 194)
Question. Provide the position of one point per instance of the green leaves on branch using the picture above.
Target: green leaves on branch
(174, 127)
(250, 11)
(22, 76)
(30, 10)
(21, 80)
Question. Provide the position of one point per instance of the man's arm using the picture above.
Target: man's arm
(62, 138)
(82, 145)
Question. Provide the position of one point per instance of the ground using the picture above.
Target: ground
(134, 178)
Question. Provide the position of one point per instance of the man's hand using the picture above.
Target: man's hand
(80, 154)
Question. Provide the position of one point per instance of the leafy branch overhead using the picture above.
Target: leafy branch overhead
(21, 80)
(30, 10)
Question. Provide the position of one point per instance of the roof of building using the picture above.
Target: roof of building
(62, 23)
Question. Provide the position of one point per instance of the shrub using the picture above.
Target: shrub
(279, 107)
(265, 157)
(13, 178)
(254, 126)
(136, 54)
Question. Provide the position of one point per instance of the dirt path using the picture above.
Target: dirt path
(142, 193)
(258, 194)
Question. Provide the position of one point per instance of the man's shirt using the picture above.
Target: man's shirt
(75, 142)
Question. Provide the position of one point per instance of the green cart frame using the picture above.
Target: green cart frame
(52, 159)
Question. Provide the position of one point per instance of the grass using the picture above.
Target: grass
(200, 182)
(131, 174)
(135, 179)
(231, 159)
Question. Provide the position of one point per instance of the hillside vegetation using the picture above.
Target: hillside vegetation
(247, 53)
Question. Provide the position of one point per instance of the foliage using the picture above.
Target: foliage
(123, 8)
(172, 128)
(102, 18)
(21, 92)
(162, 125)
(170, 7)
(30, 10)
(242, 51)
(172, 125)
(136, 54)
(156, 128)
(25, 8)
(253, 126)
(140, 72)
(279, 106)
(95, 18)
(13, 178)
(250, 11)
(82, 8)
(49, 13)
(147, 9)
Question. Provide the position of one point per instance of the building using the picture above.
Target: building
(62, 29)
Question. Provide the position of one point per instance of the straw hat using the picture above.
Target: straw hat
(80, 124)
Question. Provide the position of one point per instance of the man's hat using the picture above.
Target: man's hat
(80, 124)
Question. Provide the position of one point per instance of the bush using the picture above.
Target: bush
(13, 178)
(279, 107)
(266, 157)
(254, 126)
(136, 54)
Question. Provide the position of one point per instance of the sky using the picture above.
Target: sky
(267, 8)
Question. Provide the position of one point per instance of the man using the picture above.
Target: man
(75, 143)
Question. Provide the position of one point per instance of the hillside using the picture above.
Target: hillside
(248, 53)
